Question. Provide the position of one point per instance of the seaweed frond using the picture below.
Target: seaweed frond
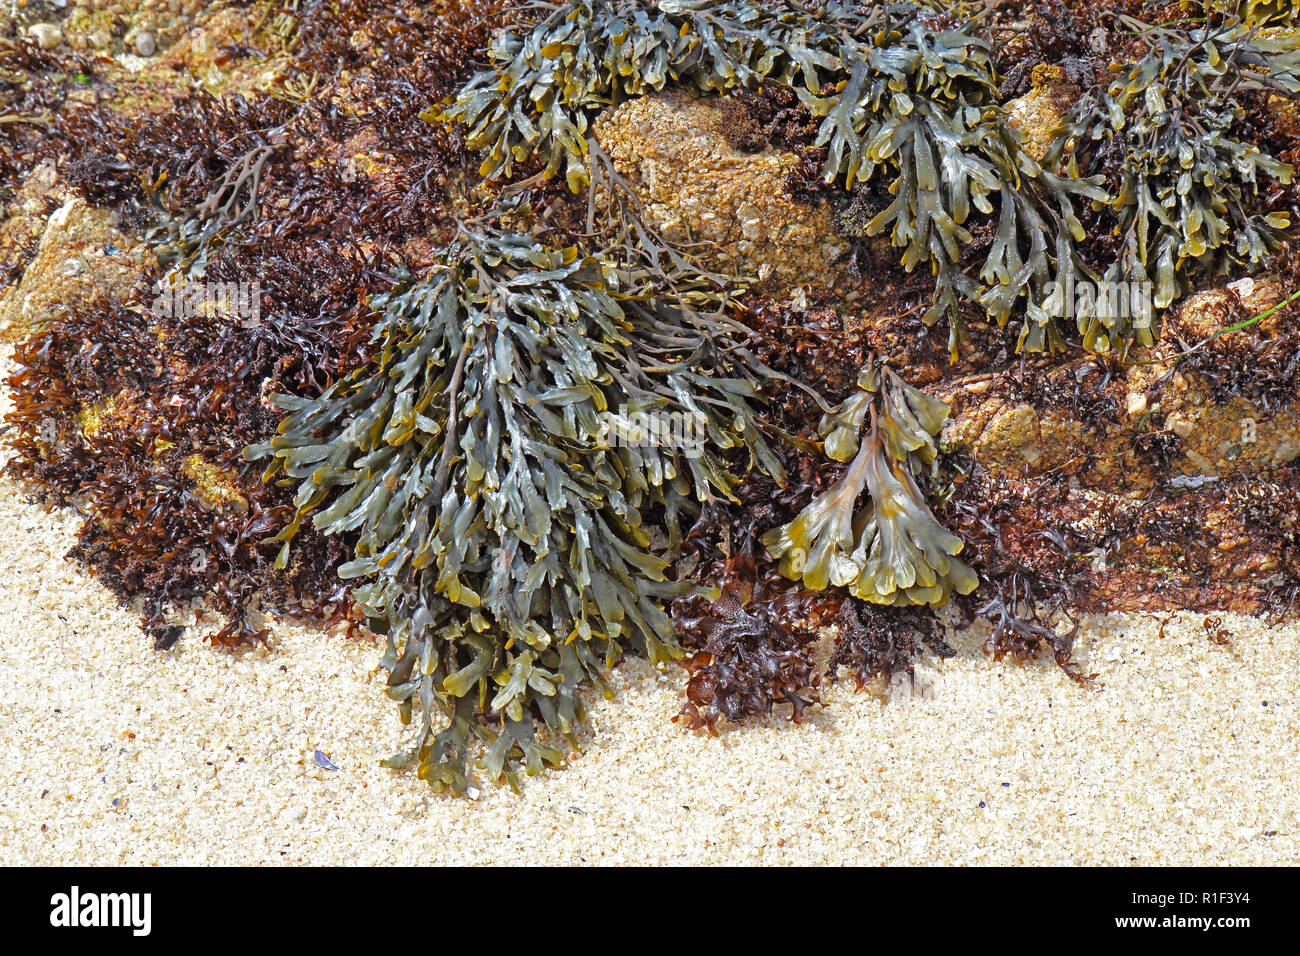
(1184, 192)
(184, 239)
(898, 96)
(892, 551)
(511, 512)
(750, 649)
(1255, 13)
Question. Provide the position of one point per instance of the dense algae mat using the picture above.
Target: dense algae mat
(436, 425)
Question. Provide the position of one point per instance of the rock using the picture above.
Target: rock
(1231, 437)
(81, 255)
(1209, 311)
(696, 188)
(1018, 441)
(1225, 439)
(145, 45)
(100, 39)
(1204, 430)
(1042, 109)
(47, 35)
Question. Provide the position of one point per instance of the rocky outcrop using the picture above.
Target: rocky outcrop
(698, 189)
(1155, 438)
(1206, 434)
(1173, 457)
(81, 255)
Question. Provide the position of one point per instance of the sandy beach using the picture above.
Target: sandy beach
(1181, 752)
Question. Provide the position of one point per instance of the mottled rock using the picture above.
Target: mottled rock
(1042, 109)
(217, 489)
(1017, 440)
(47, 35)
(697, 188)
(1209, 311)
(1229, 437)
(81, 255)
(22, 219)
(1206, 434)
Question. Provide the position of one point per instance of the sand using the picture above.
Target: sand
(1182, 752)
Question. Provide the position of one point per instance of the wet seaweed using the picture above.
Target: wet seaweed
(876, 644)
(751, 649)
(899, 94)
(508, 576)
(136, 412)
(891, 551)
(498, 462)
(1185, 190)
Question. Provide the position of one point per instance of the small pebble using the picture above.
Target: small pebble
(145, 45)
(323, 760)
(47, 35)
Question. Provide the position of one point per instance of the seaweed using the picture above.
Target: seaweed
(136, 412)
(897, 95)
(490, 461)
(876, 643)
(1263, 368)
(761, 643)
(750, 649)
(1256, 13)
(1049, 34)
(35, 87)
(1047, 554)
(892, 551)
(472, 461)
(183, 240)
(1184, 194)
(133, 417)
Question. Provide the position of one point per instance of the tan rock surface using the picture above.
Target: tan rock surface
(1222, 437)
(698, 189)
(1042, 109)
(81, 255)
